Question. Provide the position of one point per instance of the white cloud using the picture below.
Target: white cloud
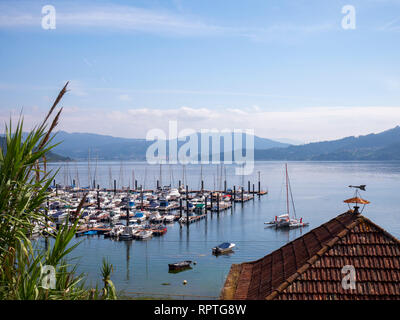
(87, 62)
(307, 124)
(392, 84)
(77, 88)
(109, 16)
(125, 97)
(115, 17)
(392, 25)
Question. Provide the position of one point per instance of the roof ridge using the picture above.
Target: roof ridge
(290, 242)
(325, 247)
(380, 229)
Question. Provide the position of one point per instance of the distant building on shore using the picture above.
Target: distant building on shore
(318, 266)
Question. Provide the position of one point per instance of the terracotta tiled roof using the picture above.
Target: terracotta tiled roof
(310, 267)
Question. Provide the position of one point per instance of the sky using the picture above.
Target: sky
(286, 69)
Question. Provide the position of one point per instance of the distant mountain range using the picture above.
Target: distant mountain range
(102, 147)
(54, 157)
(51, 156)
(384, 146)
(381, 146)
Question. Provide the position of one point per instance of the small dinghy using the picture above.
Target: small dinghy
(223, 248)
(179, 266)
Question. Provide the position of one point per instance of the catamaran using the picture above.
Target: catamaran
(285, 220)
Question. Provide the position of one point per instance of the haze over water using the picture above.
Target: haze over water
(319, 189)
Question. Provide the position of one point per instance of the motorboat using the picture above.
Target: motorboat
(223, 248)
(114, 216)
(159, 230)
(144, 234)
(138, 217)
(95, 224)
(155, 217)
(128, 233)
(199, 208)
(117, 230)
(173, 194)
(169, 218)
(164, 205)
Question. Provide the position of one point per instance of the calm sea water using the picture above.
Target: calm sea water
(319, 189)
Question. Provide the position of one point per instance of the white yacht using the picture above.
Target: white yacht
(155, 217)
(128, 232)
(284, 220)
(144, 234)
(169, 218)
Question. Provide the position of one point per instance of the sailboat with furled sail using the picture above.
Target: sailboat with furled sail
(286, 220)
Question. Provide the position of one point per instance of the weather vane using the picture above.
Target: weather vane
(357, 199)
(361, 187)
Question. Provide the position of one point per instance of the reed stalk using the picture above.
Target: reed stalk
(24, 189)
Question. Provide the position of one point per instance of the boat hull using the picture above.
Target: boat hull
(124, 237)
(180, 266)
(218, 250)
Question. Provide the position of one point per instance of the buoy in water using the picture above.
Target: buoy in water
(184, 282)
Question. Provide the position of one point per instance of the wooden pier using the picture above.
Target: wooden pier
(192, 219)
(183, 200)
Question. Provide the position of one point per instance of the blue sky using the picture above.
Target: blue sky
(286, 69)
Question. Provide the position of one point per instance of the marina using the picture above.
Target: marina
(104, 209)
(127, 213)
(318, 188)
(166, 150)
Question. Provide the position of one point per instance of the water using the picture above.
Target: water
(319, 189)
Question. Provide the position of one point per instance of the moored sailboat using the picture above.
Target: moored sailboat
(285, 220)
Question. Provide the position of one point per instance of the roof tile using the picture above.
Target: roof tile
(310, 267)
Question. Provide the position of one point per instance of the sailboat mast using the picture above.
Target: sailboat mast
(216, 185)
(145, 178)
(201, 175)
(183, 174)
(77, 176)
(95, 173)
(69, 175)
(89, 176)
(160, 176)
(287, 190)
(110, 177)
